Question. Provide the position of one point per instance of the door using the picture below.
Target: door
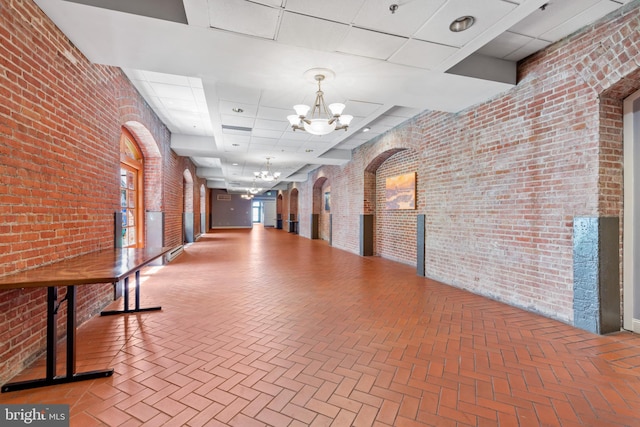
(269, 208)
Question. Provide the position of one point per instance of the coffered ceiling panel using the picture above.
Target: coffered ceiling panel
(244, 17)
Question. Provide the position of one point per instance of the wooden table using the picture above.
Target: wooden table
(106, 266)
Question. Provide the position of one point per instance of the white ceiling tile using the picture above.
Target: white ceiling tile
(271, 125)
(239, 121)
(333, 10)
(371, 44)
(263, 143)
(504, 45)
(298, 136)
(486, 13)
(577, 20)
(172, 91)
(226, 107)
(275, 3)
(407, 19)
(264, 133)
(244, 17)
(238, 94)
(361, 108)
(170, 79)
(554, 14)
(422, 54)
(311, 33)
(180, 105)
(277, 114)
(534, 45)
(404, 112)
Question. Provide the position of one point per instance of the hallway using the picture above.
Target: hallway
(263, 327)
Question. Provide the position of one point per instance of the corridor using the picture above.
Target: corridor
(265, 328)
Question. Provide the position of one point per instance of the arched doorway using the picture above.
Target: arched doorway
(279, 202)
(293, 211)
(152, 191)
(321, 210)
(188, 217)
(203, 209)
(631, 231)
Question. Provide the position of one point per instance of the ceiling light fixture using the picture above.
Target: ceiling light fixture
(251, 191)
(266, 174)
(461, 24)
(322, 120)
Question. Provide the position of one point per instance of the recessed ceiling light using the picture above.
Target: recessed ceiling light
(462, 23)
(234, 164)
(235, 145)
(308, 150)
(237, 110)
(367, 129)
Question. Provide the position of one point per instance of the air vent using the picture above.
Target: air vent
(237, 128)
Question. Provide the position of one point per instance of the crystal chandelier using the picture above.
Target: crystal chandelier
(266, 174)
(322, 120)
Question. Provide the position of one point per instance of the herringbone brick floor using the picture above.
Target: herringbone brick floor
(265, 328)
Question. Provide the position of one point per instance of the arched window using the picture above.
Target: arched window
(131, 195)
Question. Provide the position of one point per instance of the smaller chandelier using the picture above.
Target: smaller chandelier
(322, 120)
(251, 191)
(266, 174)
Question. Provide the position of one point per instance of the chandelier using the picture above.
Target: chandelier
(266, 174)
(322, 120)
(251, 191)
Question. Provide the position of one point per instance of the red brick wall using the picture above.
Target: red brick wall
(501, 182)
(60, 123)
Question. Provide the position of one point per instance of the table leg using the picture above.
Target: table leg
(50, 376)
(137, 308)
(52, 331)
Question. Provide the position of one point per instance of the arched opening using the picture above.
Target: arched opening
(153, 230)
(368, 233)
(321, 209)
(279, 203)
(131, 192)
(203, 209)
(631, 238)
(293, 211)
(187, 216)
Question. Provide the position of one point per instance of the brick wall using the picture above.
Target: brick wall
(501, 182)
(395, 234)
(60, 123)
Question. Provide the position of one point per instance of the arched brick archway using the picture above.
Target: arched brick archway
(188, 215)
(293, 210)
(321, 206)
(152, 185)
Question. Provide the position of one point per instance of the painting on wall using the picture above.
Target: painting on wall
(327, 201)
(400, 191)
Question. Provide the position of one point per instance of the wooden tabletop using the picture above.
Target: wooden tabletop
(109, 265)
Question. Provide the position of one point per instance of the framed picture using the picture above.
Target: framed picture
(327, 201)
(400, 192)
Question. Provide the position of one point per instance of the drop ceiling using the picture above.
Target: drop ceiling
(223, 75)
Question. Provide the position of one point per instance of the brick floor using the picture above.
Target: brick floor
(262, 327)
